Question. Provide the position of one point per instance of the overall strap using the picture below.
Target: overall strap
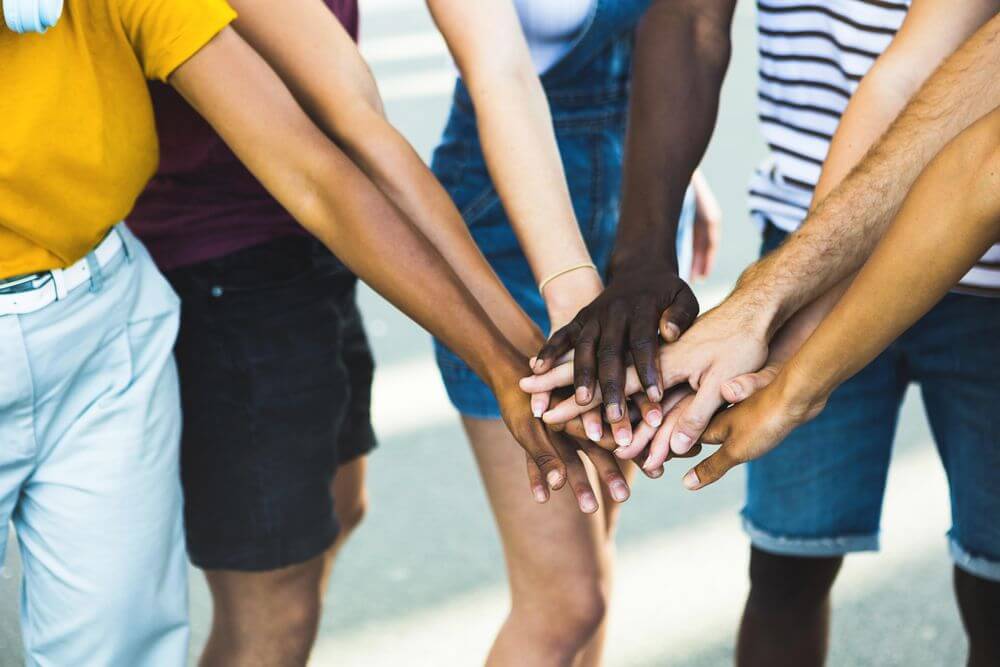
(608, 20)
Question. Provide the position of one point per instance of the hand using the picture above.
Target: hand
(623, 319)
(725, 343)
(707, 228)
(530, 433)
(753, 428)
(609, 473)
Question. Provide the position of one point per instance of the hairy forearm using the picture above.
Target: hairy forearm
(681, 55)
(840, 234)
(949, 219)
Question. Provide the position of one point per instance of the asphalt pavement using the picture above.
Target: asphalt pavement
(422, 582)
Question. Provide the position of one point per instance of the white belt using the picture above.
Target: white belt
(58, 283)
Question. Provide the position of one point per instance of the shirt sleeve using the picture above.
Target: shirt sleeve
(165, 33)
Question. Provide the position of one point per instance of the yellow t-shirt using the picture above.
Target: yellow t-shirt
(77, 137)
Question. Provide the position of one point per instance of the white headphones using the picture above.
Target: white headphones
(31, 15)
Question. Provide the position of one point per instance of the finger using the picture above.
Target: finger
(568, 409)
(585, 362)
(744, 386)
(719, 428)
(578, 430)
(559, 376)
(555, 347)
(642, 434)
(644, 345)
(593, 426)
(640, 460)
(576, 474)
(679, 315)
(709, 470)
(621, 431)
(539, 490)
(659, 446)
(651, 411)
(609, 472)
(538, 442)
(540, 403)
(696, 415)
(611, 365)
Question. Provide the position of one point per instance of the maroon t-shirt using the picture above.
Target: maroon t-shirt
(203, 203)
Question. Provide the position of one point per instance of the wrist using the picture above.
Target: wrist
(801, 393)
(756, 311)
(565, 295)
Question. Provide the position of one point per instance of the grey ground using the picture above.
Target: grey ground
(422, 582)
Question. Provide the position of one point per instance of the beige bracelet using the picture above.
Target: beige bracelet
(575, 267)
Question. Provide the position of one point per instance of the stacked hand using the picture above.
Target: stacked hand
(723, 359)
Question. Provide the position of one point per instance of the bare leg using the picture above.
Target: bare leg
(558, 561)
(270, 619)
(787, 616)
(979, 602)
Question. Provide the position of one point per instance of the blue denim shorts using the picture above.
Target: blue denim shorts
(820, 493)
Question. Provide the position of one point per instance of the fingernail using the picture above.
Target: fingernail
(588, 504)
(614, 412)
(691, 479)
(622, 437)
(537, 409)
(655, 473)
(594, 432)
(531, 362)
(554, 478)
(654, 418)
(673, 332)
(680, 442)
(735, 390)
(654, 394)
(540, 495)
(619, 491)
(582, 395)
(536, 364)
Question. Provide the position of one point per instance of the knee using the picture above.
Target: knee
(566, 617)
(283, 629)
(790, 584)
(350, 516)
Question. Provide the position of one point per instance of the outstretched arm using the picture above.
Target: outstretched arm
(519, 145)
(248, 105)
(315, 57)
(837, 238)
(951, 217)
(933, 29)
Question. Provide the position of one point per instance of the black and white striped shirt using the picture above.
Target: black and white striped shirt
(813, 54)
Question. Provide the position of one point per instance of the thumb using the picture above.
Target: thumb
(710, 470)
(744, 386)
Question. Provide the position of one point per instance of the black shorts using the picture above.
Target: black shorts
(276, 379)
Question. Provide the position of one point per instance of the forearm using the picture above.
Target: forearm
(257, 116)
(948, 221)
(519, 145)
(322, 67)
(680, 59)
(843, 230)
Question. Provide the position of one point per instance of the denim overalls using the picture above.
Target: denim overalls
(588, 95)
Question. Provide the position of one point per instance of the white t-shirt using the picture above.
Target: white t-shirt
(551, 27)
(812, 57)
